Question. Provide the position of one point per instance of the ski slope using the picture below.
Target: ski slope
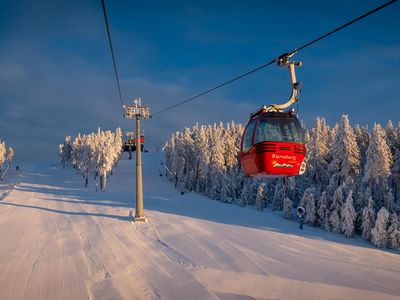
(59, 240)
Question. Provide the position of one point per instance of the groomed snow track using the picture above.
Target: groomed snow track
(59, 240)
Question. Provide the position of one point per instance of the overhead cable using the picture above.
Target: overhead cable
(112, 51)
(273, 60)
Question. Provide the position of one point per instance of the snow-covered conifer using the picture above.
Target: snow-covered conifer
(317, 165)
(348, 216)
(65, 151)
(331, 139)
(10, 154)
(394, 232)
(203, 154)
(310, 190)
(379, 161)
(168, 151)
(379, 232)
(189, 160)
(389, 201)
(368, 220)
(362, 139)
(323, 211)
(279, 195)
(178, 161)
(246, 193)
(86, 161)
(331, 188)
(118, 143)
(105, 155)
(260, 198)
(336, 206)
(345, 153)
(392, 137)
(395, 176)
(231, 146)
(227, 191)
(76, 150)
(5, 156)
(310, 207)
(2, 153)
(287, 208)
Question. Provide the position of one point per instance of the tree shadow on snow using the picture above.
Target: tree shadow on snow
(79, 195)
(193, 205)
(71, 213)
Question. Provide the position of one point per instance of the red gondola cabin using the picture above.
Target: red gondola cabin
(273, 145)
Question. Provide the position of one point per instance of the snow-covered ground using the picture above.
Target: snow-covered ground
(59, 240)
(11, 177)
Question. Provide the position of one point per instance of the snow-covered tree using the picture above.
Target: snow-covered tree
(388, 201)
(178, 162)
(118, 143)
(392, 137)
(335, 209)
(105, 155)
(331, 139)
(5, 156)
(76, 151)
(368, 220)
(246, 193)
(379, 161)
(231, 145)
(331, 188)
(168, 150)
(362, 139)
(279, 195)
(287, 208)
(394, 232)
(308, 202)
(310, 207)
(395, 175)
(317, 164)
(323, 211)
(202, 153)
(348, 216)
(260, 198)
(2, 153)
(85, 157)
(379, 232)
(10, 154)
(228, 188)
(345, 153)
(65, 150)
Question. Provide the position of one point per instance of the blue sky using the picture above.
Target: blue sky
(56, 75)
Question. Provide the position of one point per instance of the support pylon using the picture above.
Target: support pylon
(138, 111)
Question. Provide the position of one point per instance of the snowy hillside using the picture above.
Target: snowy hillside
(62, 241)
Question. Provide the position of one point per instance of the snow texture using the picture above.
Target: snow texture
(60, 240)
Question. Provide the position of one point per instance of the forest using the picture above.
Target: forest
(95, 153)
(351, 185)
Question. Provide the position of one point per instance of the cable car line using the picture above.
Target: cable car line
(112, 52)
(276, 59)
(214, 88)
(343, 26)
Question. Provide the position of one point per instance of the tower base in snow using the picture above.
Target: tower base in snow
(137, 219)
(140, 219)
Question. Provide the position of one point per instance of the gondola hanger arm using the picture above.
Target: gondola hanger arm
(283, 61)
